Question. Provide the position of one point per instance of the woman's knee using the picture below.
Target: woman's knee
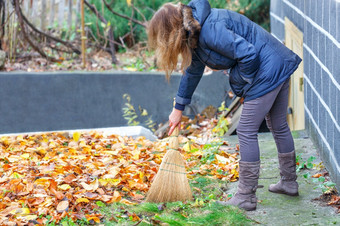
(246, 131)
(279, 127)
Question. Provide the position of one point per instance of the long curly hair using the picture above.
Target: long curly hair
(172, 32)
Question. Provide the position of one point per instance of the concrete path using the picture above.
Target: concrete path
(277, 209)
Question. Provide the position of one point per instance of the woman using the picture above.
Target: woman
(260, 68)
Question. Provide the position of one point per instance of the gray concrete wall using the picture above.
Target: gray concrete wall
(320, 23)
(62, 101)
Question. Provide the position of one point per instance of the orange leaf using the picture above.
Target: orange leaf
(53, 185)
(317, 175)
(69, 178)
(137, 196)
(335, 200)
(116, 196)
(45, 182)
(94, 218)
(134, 217)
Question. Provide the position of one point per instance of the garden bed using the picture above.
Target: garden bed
(92, 177)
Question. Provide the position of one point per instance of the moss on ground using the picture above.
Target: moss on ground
(202, 211)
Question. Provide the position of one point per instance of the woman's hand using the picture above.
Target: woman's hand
(174, 120)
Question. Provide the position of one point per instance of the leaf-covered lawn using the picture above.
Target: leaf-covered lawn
(50, 177)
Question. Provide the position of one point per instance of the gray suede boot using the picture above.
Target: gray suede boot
(287, 184)
(245, 197)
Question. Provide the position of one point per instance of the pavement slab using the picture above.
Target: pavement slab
(279, 209)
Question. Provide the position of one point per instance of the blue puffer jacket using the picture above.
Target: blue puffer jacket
(258, 62)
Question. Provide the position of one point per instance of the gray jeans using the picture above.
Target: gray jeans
(272, 107)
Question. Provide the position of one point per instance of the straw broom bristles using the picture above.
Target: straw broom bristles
(171, 182)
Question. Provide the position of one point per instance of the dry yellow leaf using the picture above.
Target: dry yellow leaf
(52, 144)
(16, 175)
(104, 182)
(80, 157)
(82, 200)
(111, 152)
(48, 202)
(221, 159)
(41, 151)
(127, 202)
(76, 136)
(64, 187)
(188, 147)
(21, 211)
(235, 172)
(82, 144)
(25, 156)
(27, 217)
(90, 187)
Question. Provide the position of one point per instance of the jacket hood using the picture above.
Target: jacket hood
(200, 10)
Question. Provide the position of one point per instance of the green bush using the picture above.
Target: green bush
(256, 10)
(121, 25)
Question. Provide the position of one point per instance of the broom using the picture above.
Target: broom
(171, 182)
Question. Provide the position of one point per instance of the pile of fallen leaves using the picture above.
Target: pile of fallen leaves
(49, 176)
(331, 198)
(334, 201)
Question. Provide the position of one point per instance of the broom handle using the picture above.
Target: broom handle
(173, 142)
(175, 133)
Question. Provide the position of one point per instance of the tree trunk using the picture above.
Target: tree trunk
(61, 13)
(52, 12)
(43, 15)
(27, 9)
(2, 19)
(111, 34)
(70, 12)
(34, 11)
(77, 13)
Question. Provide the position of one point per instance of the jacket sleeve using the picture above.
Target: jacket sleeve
(189, 82)
(228, 43)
